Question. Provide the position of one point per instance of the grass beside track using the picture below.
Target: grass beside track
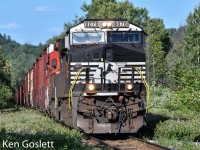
(170, 124)
(32, 126)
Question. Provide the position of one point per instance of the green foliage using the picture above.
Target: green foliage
(187, 78)
(185, 100)
(5, 81)
(33, 126)
(184, 68)
(116, 9)
(184, 60)
(160, 96)
(177, 34)
(5, 74)
(179, 130)
(21, 58)
(158, 44)
(6, 95)
(178, 145)
(191, 40)
(173, 118)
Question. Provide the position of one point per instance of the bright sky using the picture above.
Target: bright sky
(35, 21)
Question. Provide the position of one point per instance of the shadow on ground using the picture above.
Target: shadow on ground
(151, 122)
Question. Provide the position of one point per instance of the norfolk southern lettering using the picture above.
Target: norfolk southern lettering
(27, 144)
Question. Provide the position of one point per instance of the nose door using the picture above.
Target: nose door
(108, 68)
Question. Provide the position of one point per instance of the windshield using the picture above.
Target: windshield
(128, 36)
(87, 37)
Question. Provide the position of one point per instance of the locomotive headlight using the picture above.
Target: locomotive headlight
(91, 88)
(104, 24)
(129, 87)
(109, 24)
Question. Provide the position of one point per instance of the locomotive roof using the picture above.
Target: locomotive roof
(104, 19)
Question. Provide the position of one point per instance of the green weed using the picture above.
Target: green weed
(31, 125)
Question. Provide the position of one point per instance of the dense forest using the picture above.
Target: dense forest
(21, 57)
(15, 60)
(173, 63)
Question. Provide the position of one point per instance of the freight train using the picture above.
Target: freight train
(93, 79)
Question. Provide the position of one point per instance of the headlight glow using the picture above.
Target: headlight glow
(129, 86)
(109, 24)
(104, 24)
(91, 87)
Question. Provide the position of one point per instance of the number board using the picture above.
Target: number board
(91, 24)
(120, 24)
(98, 24)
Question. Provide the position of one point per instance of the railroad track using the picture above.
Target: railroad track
(131, 143)
(149, 145)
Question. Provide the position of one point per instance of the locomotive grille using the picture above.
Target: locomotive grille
(126, 73)
(74, 67)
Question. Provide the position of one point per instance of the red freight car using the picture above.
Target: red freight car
(31, 87)
(35, 90)
(34, 85)
(17, 97)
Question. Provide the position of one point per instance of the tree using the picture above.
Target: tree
(191, 40)
(186, 73)
(158, 45)
(5, 83)
(21, 58)
(188, 52)
(115, 9)
(177, 35)
(5, 73)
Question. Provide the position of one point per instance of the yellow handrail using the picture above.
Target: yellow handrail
(72, 87)
(146, 86)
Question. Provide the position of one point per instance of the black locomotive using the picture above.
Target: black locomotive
(101, 86)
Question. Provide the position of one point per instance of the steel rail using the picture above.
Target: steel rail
(147, 145)
(101, 142)
(150, 144)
